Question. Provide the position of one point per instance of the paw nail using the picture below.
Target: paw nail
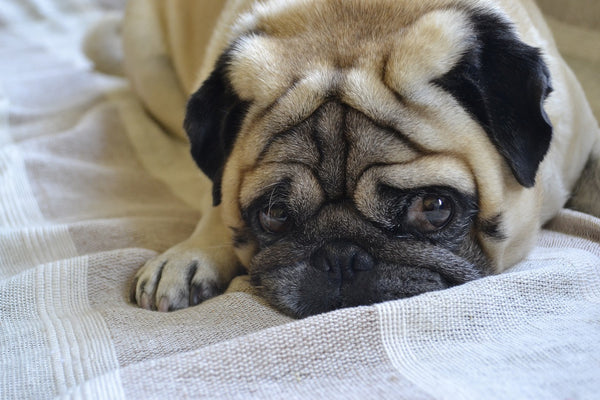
(196, 296)
(163, 304)
(145, 301)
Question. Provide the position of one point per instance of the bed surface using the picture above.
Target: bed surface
(91, 188)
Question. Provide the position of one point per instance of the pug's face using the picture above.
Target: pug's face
(372, 152)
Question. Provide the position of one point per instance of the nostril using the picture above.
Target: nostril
(342, 258)
(321, 261)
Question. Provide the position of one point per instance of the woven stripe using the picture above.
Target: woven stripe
(73, 341)
(532, 328)
(26, 247)
(106, 386)
(80, 347)
(19, 207)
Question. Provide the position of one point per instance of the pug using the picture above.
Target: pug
(359, 151)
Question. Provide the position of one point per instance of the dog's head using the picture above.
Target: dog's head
(371, 150)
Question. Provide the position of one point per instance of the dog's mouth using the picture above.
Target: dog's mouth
(342, 275)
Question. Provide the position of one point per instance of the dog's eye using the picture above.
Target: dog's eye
(429, 213)
(273, 219)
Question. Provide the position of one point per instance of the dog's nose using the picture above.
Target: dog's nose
(341, 260)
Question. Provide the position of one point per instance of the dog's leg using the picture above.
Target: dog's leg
(149, 65)
(586, 195)
(190, 272)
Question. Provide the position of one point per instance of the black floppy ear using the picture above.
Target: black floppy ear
(213, 119)
(503, 83)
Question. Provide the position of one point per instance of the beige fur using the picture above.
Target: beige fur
(383, 74)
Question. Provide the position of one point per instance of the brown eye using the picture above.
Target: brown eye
(273, 219)
(429, 213)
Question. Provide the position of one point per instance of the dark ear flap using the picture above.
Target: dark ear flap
(503, 83)
(213, 118)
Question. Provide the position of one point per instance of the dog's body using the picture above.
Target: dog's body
(360, 150)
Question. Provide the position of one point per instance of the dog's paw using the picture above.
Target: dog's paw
(181, 277)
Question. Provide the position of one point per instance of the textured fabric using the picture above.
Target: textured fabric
(90, 188)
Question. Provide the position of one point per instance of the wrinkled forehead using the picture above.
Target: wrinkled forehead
(384, 69)
(340, 153)
(401, 44)
(348, 95)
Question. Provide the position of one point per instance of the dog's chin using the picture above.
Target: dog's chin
(301, 289)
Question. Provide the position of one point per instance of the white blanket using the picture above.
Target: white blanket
(91, 187)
